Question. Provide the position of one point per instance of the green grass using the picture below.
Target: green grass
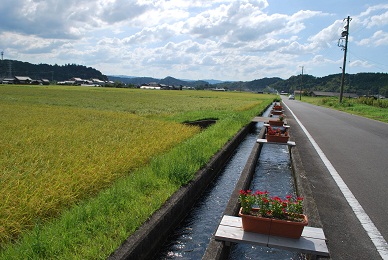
(378, 111)
(83, 168)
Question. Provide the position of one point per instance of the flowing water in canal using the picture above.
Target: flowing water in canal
(273, 173)
(191, 238)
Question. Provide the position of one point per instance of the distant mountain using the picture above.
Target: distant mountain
(214, 81)
(122, 76)
(360, 83)
(170, 81)
(257, 85)
(133, 80)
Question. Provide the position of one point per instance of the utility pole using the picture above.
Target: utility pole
(301, 83)
(9, 69)
(345, 34)
(2, 66)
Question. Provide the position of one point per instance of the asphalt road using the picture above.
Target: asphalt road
(357, 149)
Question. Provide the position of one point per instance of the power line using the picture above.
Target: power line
(361, 27)
(369, 60)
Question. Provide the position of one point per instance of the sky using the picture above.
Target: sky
(198, 39)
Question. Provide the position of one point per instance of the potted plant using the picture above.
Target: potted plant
(276, 112)
(277, 107)
(273, 215)
(277, 135)
(278, 122)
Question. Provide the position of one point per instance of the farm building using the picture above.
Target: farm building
(98, 82)
(77, 81)
(332, 94)
(7, 81)
(22, 80)
(150, 87)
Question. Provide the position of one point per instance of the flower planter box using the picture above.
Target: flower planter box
(271, 226)
(255, 224)
(277, 112)
(287, 228)
(275, 123)
(277, 138)
(277, 108)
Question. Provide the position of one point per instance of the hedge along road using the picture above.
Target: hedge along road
(345, 158)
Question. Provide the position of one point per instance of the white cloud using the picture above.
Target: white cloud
(359, 63)
(378, 20)
(120, 10)
(151, 34)
(48, 19)
(306, 14)
(371, 9)
(379, 38)
(320, 60)
(326, 36)
(29, 44)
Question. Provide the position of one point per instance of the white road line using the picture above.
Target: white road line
(374, 234)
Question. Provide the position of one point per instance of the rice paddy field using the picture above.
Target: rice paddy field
(81, 168)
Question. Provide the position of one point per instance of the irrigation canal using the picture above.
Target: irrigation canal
(272, 173)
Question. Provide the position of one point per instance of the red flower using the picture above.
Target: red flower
(274, 207)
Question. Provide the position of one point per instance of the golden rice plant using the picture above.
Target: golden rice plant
(53, 156)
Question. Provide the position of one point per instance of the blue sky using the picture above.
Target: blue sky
(224, 40)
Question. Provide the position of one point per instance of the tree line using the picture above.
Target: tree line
(11, 68)
(360, 83)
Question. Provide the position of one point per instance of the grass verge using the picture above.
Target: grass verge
(374, 110)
